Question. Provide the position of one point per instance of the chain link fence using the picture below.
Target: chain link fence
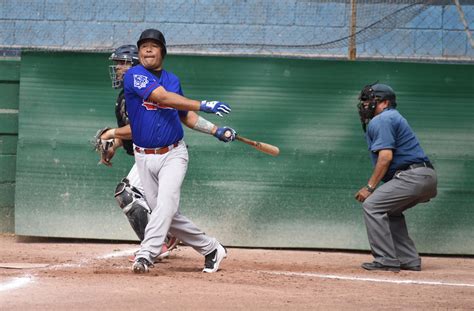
(396, 29)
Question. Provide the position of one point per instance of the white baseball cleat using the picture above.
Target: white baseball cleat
(214, 258)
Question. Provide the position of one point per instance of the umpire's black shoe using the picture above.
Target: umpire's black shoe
(378, 266)
(141, 265)
(214, 258)
(410, 268)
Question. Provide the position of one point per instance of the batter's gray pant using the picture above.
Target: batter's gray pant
(384, 219)
(161, 177)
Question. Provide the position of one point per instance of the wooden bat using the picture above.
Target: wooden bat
(263, 147)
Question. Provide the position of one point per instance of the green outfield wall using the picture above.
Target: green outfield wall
(9, 94)
(302, 199)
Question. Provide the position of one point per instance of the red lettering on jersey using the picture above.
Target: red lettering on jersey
(154, 106)
(150, 105)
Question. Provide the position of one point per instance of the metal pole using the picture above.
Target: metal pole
(352, 39)
(464, 22)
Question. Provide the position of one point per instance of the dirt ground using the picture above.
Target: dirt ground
(45, 274)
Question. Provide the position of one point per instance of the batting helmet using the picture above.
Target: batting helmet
(125, 53)
(156, 35)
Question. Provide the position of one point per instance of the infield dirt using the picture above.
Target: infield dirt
(97, 276)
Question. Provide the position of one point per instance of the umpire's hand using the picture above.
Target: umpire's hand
(362, 194)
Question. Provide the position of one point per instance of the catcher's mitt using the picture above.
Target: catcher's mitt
(102, 145)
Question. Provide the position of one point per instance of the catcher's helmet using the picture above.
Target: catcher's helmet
(156, 35)
(125, 53)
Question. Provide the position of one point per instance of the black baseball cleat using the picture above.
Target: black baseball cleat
(378, 266)
(410, 268)
(214, 258)
(141, 265)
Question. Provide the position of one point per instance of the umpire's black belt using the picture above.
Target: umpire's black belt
(416, 165)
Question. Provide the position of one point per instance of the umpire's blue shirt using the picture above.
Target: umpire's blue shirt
(389, 130)
(153, 125)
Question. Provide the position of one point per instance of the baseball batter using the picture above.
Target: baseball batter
(156, 109)
(409, 178)
(129, 193)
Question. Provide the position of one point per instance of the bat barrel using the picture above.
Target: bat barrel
(263, 147)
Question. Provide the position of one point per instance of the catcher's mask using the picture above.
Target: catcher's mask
(370, 96)
(123, 57)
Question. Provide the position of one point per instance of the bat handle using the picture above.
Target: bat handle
(245, 140)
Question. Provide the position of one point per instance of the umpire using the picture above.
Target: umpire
(409, 178)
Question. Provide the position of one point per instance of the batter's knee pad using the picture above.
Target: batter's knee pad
(133, 204)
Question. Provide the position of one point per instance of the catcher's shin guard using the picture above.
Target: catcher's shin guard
(138, 219)
(133, 204)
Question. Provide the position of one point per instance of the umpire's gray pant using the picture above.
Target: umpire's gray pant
(384, 219)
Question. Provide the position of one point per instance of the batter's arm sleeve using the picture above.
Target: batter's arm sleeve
(198, 123)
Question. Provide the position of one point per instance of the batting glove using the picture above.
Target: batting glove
(225, 134)
(215, 107)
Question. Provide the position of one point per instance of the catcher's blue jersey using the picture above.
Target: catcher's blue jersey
(153, 125)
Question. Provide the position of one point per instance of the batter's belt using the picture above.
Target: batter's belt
(161, 150)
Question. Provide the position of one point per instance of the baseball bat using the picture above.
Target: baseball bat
(263, 147)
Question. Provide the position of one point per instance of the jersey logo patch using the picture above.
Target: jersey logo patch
(140, 81)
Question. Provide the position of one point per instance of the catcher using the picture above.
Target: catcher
(129, 192)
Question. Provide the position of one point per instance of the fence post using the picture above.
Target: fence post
(352, 39)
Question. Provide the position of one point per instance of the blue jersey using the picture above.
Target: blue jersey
(153, 125)
(389, 130)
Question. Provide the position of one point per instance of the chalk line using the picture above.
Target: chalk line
(124, 253)
(19, 282)
(364, 279)
(16, 283)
